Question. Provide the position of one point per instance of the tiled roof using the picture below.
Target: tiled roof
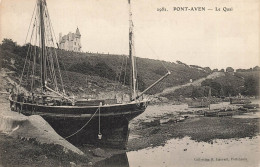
(70, 36)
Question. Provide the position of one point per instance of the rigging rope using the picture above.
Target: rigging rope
(153, 51)
(35, 53)
(30, 22)
(98, 109)
(52, 31)
(121, 69)
(31, 50)
(52, 76)
(29, 63)
(50, 57)
(118, 76)
(34, 60)
(99, 132)
(26, 59)
(45, 57)
(134, 53)
(52, 70)
(125, 71)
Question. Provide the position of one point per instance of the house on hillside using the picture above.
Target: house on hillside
(71, 41)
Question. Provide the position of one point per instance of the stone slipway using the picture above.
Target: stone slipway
(31, 127)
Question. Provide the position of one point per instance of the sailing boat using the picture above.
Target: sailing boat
(199, 103)
(79, 121)
(217, 112)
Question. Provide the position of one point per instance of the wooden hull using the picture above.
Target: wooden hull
(239, 101)
(218, 113)
(198, 103)
(199, 106)
(251, 106)
(66, 120)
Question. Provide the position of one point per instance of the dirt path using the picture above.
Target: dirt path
(194, 83)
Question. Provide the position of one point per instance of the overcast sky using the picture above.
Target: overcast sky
(206, 38)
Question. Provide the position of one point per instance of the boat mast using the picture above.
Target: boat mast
(133, 95)
(131, 57)
(209, 97)
(43, 56)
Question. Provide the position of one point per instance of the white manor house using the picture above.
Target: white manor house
(71, 41)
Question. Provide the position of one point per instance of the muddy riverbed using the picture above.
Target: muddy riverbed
(156, 139)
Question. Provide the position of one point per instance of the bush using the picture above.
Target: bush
(251, 86)
(229, 69)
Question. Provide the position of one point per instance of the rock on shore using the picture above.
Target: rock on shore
(31, 127)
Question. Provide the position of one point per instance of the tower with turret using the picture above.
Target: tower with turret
(71, 41)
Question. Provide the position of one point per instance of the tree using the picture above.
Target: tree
(256, 68)
(229, 90)
(207, 69)
(181, 63)
(195, 92)
(103, 70)
(22, 50)
(251, 86)
(160, 71)
(241, 70)
(8, 45)
(229, 69)
(215, 86)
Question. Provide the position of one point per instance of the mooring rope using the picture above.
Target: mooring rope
(99, 132)
(84, 124)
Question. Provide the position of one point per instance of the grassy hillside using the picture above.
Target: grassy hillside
(74, 82)
(148, 70)
(103, 71)
(245, 83)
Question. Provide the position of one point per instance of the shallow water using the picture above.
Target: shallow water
(119, 160)
(186, 152)
(248, 115)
